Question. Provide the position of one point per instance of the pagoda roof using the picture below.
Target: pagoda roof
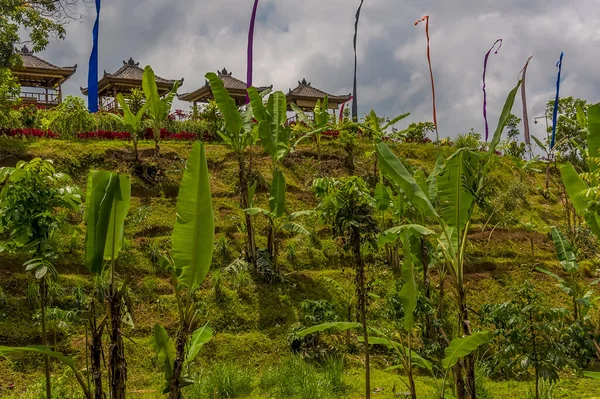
(37, 72)
(306, 91)
(129, 76)
(235, 87)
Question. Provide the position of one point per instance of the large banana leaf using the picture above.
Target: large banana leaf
(455, 188)
(593, 136)
(382, 197)
(564, 251)
(461, 347)
(120, 207)
(257, 104)
(576, 187)
(226, 104)
(107, 202)
(397, 173)
(44, 350)
(592, 374)
(393, 233)
(194, 231)
(504, 115)
(39, 349)
(416, 358)
(165, 349)
(201, 336)
(277, 196)
(408, 293)
(151, 93)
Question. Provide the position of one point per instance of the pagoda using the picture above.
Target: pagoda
(305, 96)
(235, 87)
(41, 82)
(128, 77)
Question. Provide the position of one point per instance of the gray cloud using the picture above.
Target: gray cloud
(313, 40)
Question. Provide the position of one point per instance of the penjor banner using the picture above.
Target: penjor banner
(555, 111)
(93, 67)
(485, 61)
(250, 49)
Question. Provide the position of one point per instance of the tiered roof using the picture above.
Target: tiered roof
(306, 96)
(235, 87)
(36, 72)
(127, 77)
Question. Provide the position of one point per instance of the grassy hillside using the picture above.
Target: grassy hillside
(252, 319)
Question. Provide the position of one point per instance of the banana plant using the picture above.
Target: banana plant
(275, 140)
(158, 108)
(581, 298)
(376, 131)
(192, 243)
(278, 219)
(108, 197)
(132, 121)
(459, 183)
(238, 134)
(318, 125)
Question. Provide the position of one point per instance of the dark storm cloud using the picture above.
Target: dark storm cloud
(312, 39)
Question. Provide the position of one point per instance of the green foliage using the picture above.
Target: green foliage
(39, 20)
(32, 204)
(317, 312)
(468, 140)
(528, 335)
(417, 132)
(158, 108)
(461, 347)
(570, 129)
(9, 91)
(71, 117)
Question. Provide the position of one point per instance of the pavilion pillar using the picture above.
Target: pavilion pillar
(60, 93)
(46, 89)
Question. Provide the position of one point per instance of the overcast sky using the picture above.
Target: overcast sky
(312, 39)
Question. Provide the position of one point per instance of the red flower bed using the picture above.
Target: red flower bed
(28, 133)
(148, 135)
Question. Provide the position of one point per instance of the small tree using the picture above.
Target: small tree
(32, 205)
(528, 335)
(132, 119)
(346, 203)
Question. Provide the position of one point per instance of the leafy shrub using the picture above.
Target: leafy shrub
(317, 312)
(106, 122)
(72, 117)
(468, 140)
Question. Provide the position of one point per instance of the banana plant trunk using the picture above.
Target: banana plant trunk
(175, 383)
(96, 352)
(251, 244)
(156, 139)
(43, 294)
(362, 303)
(468, 361)
(117, 362)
